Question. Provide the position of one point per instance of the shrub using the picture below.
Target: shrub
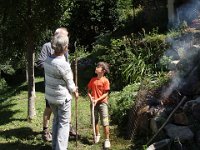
(131, 57)
(3, 85)
(121, 102)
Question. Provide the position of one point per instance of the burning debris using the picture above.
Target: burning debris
(169, 115)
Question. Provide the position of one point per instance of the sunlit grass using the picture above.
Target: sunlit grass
(19, 134)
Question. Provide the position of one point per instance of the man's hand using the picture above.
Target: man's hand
(76, 94)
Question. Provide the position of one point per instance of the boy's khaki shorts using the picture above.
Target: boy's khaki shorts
(102, 111)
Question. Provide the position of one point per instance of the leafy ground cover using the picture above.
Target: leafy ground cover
(16, 133)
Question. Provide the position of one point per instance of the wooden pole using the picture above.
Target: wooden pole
(76, 100)
(76, 103)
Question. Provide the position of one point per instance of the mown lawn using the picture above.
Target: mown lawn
(16, 133)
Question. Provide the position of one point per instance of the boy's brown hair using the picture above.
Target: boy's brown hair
(104, 65)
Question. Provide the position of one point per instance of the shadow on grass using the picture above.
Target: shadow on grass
(39, 87)
(83, 139)
(33, 140)
(7, 113)
(15, 89)
(24, 133)
(86, 141)
(23, 146)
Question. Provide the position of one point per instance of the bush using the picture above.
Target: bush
(3, 85)
(131, 57)
(121, 102)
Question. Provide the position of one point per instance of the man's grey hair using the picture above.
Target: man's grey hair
(59, 42)
(61, 31)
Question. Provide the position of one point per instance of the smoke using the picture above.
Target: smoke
(187, 12)
(183, 49)
(173, 85)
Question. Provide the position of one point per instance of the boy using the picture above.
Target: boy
(98, 90)
(59, 85)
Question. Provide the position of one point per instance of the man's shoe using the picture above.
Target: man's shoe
(46, 136)
(107, 143)
(72, 132)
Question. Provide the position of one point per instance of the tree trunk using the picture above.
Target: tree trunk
(31, 78)
(171, 12)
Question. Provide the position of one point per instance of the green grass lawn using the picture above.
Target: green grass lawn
(16, 133)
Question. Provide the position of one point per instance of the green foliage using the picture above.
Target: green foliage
(3, 85)
(99, 17)
(153, 14)
(165, 61)
(131, 57)
(125, 10)
(19, 19)
(121, 102)
(154, 81)
(135, 70)
(144, 147)
(7, 69)
(183, 26)
(79, 53)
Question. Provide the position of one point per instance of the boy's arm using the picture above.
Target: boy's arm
(102, 97)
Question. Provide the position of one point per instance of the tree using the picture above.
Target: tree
(89, 19)
(24, 24)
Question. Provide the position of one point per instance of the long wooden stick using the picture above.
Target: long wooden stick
(93, 123)
(182, 100)
(76, 100)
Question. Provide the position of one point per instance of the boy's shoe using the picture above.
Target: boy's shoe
(46, 135)
(107, 143)
(97, 138)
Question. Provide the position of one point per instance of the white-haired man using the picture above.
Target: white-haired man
(59, 85)
(46, 51)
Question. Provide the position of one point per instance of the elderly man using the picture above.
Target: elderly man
(45, 52)
(59, 85)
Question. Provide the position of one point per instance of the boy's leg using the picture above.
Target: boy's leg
(97, 128)
(105, 122)
(106, 132)
(104, 118)
(46, 117)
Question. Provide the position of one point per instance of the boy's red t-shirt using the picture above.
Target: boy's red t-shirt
(99, 87)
